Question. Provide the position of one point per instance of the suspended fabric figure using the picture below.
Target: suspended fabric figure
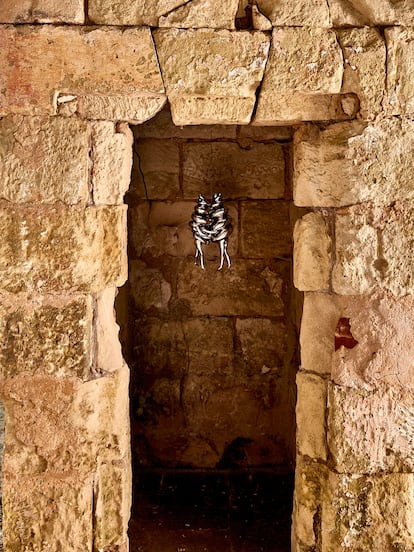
(210, 224)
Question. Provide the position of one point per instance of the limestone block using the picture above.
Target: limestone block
(135, 12)
(371, 431)
(257, 171)
(157, 173)
(374, 249)
(39, 71)
(46, 513)
(400, 87)
(265, 230)
(304, 62)
(263, 344)
(211, 76)
(43, 160)
(112, 505)
(311, 415)
(108, 354)
(364, 68)
(303, 13)
(311, 253)
(150, 290)
(260, 133)
(42, 11)
(213, 14)
(383, 12)
(111, 162)
(247, 289)
(48, 337)
(62, 249)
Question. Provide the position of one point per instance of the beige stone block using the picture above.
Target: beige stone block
(42, 11)
(263, 344)
(108, 353)
(311, 253)
(43, 160)
(156, 175)
(303, 13)
(111, 162)
(134, 12)
(62, 249)
(211, 76)
(38, 67)
(265, 230)
(248, 288)
(311, 415)
(400, 51)
(260, 133)
(348, 163)
(138, 230)
(371, 431)
(150, 290)
(112, 505)
(304, 61)
(52, 336)
(257, 171)
(374, 249)
(364, 68)
(380, 13)
(45, 513)
(213, 14)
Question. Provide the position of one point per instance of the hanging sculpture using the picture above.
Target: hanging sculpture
(210, 224)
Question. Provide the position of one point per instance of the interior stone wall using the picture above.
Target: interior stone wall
(70, 82)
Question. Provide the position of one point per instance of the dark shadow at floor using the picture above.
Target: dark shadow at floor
(211, 512)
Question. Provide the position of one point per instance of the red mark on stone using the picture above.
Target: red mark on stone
(343, 335)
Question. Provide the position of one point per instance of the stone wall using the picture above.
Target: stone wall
(70, 80)
(212, 354)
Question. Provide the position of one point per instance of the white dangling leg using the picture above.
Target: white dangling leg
(199, 253)
(226, 254)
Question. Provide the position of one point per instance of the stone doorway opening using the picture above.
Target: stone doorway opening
(213, 354)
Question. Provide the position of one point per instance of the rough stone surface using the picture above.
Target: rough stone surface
(312, 253)
(134, 12)
(44, 513)
(374, 249)
(382, 12)
(257, 171)
(371, 432)
(301, 62)
(213, 14)
(50, 337)
(310, 415)
(248, 289)
(149, 288)
(56, 248)
(42, 11)
(301, 14)
(364, 68)
(211, 76)
(108, 354)
(265, 230)
(111, 162)
(400, 49)
(43, 159)
(38, 67)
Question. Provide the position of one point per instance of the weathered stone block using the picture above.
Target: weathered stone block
(44, 513)
(383, 13)
(135, 12)
(59, 249)
(265, 230)
(348, 163)
(364, 68)
(374, 249)
(303, 61)
(213, 14)
(247, 289)
(400, 50)
(111, 162)
(256, 172)
(43, 160)
(311, 415)
(150, 290)
(157, 173)
(301, 14)
(211, 76)
(50, 338)
(39, 71)
(371, 431)
(42, 11)
(108, 353)
(312, 253)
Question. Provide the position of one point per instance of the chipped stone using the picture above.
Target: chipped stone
(400, 52)
(310, 415)
(133, 12)
(213, 14)
(42, 11)
(149, 288)
(383, 13)
(303, 13)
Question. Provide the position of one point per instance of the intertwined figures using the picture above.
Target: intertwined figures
(210, 224)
